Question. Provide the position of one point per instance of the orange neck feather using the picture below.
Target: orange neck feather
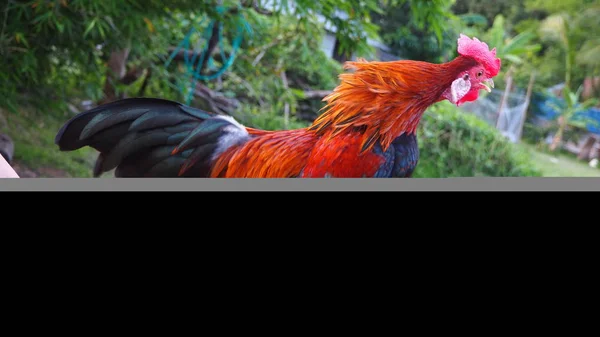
(383, 100)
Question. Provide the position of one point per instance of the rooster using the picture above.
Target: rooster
(367, 128)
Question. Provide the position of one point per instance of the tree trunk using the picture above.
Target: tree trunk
(562, 124)
(596, 83)
(116, 71)
(504, 100)
(286, 108)
(585, 151)
(312, 94)
(527, 100)
(145, 83)
(117, 74)
(337, 54)
(215, 101)
(570, 57)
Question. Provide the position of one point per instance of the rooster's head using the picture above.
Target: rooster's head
(482, 66)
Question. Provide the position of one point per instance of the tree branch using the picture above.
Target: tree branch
(212, 43)
(116, 71)
(216, 101)
(145, 83)
(132, 76)
(254, 5)
(286, 107)
(182, 54)
(260, 10)
(248, 87)
(312, 94)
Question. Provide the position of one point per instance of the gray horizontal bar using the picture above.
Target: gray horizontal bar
(199, 184)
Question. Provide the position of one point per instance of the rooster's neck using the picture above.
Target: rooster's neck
(384, 100)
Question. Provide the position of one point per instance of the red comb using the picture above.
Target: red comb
(480, 52)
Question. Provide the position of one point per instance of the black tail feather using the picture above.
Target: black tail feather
(138, 137)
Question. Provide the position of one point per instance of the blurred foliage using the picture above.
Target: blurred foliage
(569, 114)
(55, 51)
(563, 6)
(556, 40)
(419, 30)
(513, 50)
(351, 19)
(455, 144)
(487, 9)
(575, 34)
(530, 17)
(256, 76)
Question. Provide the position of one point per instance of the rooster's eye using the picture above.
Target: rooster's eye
(479, 73)
(466, 77)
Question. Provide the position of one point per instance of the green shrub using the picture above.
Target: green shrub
(255, 117)
(453, 143)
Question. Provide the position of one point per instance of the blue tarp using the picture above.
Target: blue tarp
(541, 104)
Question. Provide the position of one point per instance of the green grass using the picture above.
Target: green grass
(560, 165)
(33, 135)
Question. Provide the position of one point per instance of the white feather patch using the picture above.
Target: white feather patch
(459, 89)
(233, 134)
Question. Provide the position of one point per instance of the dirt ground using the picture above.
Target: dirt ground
(42, 172)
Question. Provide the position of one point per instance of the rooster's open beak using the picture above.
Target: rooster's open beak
(488, 85)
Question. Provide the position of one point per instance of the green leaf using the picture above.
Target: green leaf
(555, 107)
(519, 43)
(497, 35)
(513, 58)
(568, 96)
(89, 27)
(474, 19)
(298, 93)
(20, 38)
(589, 104)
